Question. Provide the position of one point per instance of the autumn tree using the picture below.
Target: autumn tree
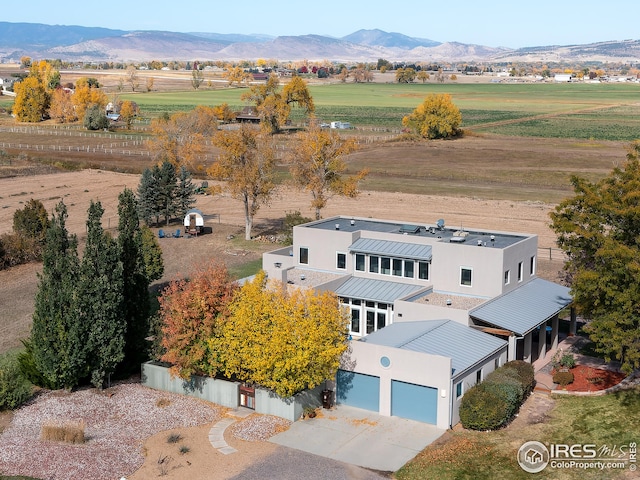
(31, 100)
(181, 138)
(274, 105)
(284, 341)
(246, 164)
(405, 75)
(436, 117)
(423, 76)
(224, 113)
(599, 230)
(318, 166)
(128, 112)
(87, 95)
(62, 109)
(132, 77)
(191, 314)
(197, 77)
(236, 75)
(31, 221)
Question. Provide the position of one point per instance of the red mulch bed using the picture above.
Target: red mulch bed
(589, 379)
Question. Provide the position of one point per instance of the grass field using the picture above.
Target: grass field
(584, 111)
(605, 420)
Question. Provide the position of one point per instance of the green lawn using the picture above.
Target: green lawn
(609, 420)
(599, 111)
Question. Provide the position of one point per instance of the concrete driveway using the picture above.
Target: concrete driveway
(360, 437)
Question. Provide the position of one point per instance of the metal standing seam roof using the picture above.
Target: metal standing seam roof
(375, 290)
(464, 345)
(392, 249)
(523, 309)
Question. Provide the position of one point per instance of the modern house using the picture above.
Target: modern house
(432, 309)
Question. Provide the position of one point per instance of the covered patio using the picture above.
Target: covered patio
(528, 317)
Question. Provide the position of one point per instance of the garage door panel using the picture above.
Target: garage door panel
(358, 390)
(415, 402)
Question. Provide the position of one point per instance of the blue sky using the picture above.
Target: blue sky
(492, 23)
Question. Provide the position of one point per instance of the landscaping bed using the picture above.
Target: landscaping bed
(590, 379)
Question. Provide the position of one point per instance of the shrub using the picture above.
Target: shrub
(505, 382)
(15, 389)
(568, 360)
(526, 374)
(563, 378)
(17, 249)
(68, 431)
(174, 438)
(29, 370)
(483, 409)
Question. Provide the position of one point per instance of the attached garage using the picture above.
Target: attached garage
(358, 390)
(415, 402)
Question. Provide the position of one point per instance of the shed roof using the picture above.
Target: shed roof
(375, 290)
(464, 345)
(396, 249)
(525, 308)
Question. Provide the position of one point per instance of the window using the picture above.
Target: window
(304, 255)
(397, 267)
(479, 376)
(374, 264)
(423, 270)
(408, 268)
(360, 262)
(465, 276)
(507, 277)
(385, 267)
(519, 271)
(341, 261)
(496, 363)
(458, 390)
(371, 315)
(355, 320)
(532, 265)
(382, 320)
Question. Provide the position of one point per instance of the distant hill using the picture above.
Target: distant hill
(92, 44)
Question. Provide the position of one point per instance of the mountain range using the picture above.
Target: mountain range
(92, 44)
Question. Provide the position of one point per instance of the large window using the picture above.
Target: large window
(408, 268)
(355, 320)
(304, 255)
(341, 261)
(397, 267)
(423, 270)
(374, 266)
(385, 265)
(371, 316)
(360, 262)
(465, 276)
(367, 316)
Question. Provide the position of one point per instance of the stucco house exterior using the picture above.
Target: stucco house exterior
(433, 309)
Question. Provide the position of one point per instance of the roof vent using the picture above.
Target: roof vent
(440, 224)
(457, 240)
(353, 222)
(337, 226)
(410, 229)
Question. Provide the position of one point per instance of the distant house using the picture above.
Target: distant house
(248, 114)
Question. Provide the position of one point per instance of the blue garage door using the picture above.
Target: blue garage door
(358, 390)
(415, 402)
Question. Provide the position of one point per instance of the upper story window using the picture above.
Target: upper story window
(360, 262)
(532, 265)
(459, 389)
(408, 268)
(520, 271)
(304, 255)
(507, 277)
(385, 265)
(374, 262)
(465, 276)
(423, 270)
(341, 261)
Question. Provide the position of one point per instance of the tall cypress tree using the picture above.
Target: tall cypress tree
(135, 281)
(148, 197)
(167, 187)
(101, 298)
(58, 339)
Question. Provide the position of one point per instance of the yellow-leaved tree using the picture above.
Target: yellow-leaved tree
(283, 341)
(181, 138)
(436, 117)
(247, 165)
(87, 95)
(318, 166)
(62, 109)
(33, 94)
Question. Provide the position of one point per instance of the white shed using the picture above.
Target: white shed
(194, 222)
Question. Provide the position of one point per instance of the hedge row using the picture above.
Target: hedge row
(492, 403)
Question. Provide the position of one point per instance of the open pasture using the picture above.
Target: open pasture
(585, 111)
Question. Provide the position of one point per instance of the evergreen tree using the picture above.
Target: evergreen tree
(167, 189)
(135, 281)
(58, 338)
(95, 118)
(151, 254)
(100, 298)
(147, 196)
(185, 192)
